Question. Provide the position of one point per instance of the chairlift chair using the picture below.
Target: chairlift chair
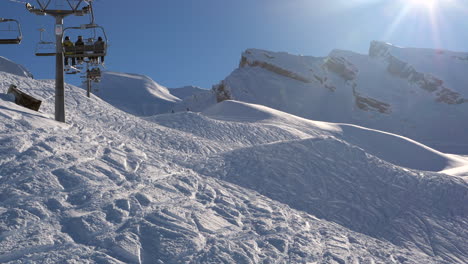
(45, 48)
(90, 49)
(12, 26)
(94, 74)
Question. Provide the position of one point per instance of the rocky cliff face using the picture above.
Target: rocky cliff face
(316, 74)
(426, 81)
(222, 92)
(245, 62)
(342, 67)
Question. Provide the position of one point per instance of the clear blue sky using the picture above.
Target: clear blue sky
(199, 42)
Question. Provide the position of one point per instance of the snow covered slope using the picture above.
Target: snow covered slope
(338, 172)
(186, 91)
(193, 99)
(389, 147)
(416, 93)
(335, 177)
(239, 183)
(135, 94)
(7, 65)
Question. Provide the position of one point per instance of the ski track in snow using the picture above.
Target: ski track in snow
(109, 187)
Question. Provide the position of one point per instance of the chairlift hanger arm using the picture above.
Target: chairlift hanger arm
(46, 5)
(70, 5)
(75, 8)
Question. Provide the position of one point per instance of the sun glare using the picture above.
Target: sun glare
(428, 4)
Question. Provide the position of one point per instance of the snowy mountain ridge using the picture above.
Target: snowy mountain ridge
(417, 93)
(396, 57)
(9, 66)
(186, 91)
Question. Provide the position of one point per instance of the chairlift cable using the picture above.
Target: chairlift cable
(18, 1)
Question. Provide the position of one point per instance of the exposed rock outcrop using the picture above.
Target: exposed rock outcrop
(342, 67)
(366, 104)
(370, 104)
(450, 97)
(379, 49)
(425, 81)
(222, 92)
(273, 68)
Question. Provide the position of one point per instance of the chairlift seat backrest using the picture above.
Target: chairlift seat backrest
(90, 51)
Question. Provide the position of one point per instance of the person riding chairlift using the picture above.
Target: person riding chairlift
(80, 43)
(99, 47)
(68, 43)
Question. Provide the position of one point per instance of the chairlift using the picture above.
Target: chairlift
(45, 48)
(90, 50)
(94, 74)
(14, 27)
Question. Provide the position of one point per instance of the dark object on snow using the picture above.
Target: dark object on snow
(24, 99)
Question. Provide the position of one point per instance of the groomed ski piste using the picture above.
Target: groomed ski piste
(236, 183)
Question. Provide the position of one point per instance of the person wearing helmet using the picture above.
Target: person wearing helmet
(68, 44)
(79, 44)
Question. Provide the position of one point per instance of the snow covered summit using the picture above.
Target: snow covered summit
(418, 93)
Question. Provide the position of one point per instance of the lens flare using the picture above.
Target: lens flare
(428, 4)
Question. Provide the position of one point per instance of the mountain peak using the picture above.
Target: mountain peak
(392, 88)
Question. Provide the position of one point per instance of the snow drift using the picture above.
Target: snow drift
(135, 94)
